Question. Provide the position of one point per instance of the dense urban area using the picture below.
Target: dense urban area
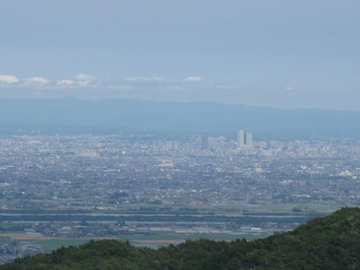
(153, 191)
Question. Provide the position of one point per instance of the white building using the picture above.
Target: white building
(244, 138)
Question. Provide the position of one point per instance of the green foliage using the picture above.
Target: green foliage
(327, 243)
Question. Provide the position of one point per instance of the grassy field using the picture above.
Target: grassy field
(158, 239)
(4, 241)
(265, 207)
(50, 245)
(153, 240)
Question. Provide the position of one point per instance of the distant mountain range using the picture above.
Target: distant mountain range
(329, 243)
(186, 118)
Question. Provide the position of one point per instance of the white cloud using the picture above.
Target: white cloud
(289, 88)
(83, 83)
(8, 79)
(64, 82)
(36, 80)
(83, 76)
(142, 79)
(193, 79)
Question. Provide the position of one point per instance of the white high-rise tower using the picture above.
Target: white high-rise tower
(248, 139)
(244, 138)
(241, 138)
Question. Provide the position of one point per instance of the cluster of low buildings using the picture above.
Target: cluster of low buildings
(18, 249)
(101, 174)
(84, 172)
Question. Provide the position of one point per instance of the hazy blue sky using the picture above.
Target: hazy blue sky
(278, 53)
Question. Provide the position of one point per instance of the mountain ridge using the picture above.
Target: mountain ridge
(194, 118)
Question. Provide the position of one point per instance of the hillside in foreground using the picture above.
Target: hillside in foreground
(332, 242)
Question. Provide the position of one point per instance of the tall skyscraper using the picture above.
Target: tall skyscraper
(248, 139)
(244, 138)
(241, 138)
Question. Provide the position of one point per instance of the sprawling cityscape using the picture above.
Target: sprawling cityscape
(155, 191)
(182, 135)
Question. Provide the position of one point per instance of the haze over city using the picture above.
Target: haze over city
(154, 122)
(283, 54)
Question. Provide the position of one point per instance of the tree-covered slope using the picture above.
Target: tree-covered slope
(332, 242)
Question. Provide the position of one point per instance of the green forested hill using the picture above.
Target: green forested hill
(332, 242)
